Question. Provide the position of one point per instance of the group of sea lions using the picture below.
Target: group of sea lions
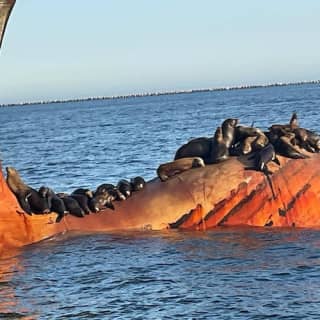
(79, 203)
(232, 139)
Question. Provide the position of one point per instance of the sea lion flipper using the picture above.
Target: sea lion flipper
(23, 201)
(277, 161)
(267, 173)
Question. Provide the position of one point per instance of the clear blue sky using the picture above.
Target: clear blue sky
(74, 48)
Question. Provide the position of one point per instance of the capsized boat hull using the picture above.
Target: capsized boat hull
(223, 194)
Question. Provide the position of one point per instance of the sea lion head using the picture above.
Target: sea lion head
(231, 122)
(198, 163)
(89, 193)
(137, 183)
(43, 191)
(294, 120)
(11, 171)
(99, 202)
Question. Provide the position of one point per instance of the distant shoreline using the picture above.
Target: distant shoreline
(164, 93)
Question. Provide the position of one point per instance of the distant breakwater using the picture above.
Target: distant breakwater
(150, 94)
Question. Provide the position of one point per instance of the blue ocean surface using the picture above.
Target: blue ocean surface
(227, 273)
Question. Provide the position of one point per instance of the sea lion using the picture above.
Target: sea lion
(282, 129)
(313, 140)
(264, 156)
(55, 203)
(83, 201)
(71, 205)
(111, 190)
(169, 169)
(294, 121)
(199, 147)
(261, 159)
(82, 191)
(285, 147)
(124, 187)
(219, 150)
(28, 198)
(137, 183)
(246, 145)
(100, 201)
(242, 132)
(228, 131)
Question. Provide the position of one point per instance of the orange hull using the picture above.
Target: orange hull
(218, 195)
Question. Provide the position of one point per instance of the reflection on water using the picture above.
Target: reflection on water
(225, 273)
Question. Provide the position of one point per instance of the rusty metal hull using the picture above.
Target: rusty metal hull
(224, 194)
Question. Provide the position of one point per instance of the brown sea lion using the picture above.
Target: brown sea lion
(219, 149)
(169, 169)
(246, 145)
(242, 132)
(228, 131)
(28, 198)
(285, 147)
(313, 140)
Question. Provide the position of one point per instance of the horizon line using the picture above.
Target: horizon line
(162, 93)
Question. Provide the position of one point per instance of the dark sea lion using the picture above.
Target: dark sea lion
(219, 149)
(294, 121)
(228, 131)
(242, 132)
(285, 147)
(264, 156)
(72, 205)
(261, 159)
(169, 169)
(100, 201)
(199, 147)
(282, 129)
(28, 198)
(124, 187)
(111, 190)
(313, 140)
(137, 183)
(83, 201)
(55, 203)
(82, 191)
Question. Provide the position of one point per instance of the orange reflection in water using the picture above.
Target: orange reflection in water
(10, 304)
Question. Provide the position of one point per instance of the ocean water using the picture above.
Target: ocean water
(221, 274)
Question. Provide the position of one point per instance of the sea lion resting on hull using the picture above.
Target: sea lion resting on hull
(219, 149)
(203, 147)
(55, 203)
(169, 169)
(28, 198)
(199, 147)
